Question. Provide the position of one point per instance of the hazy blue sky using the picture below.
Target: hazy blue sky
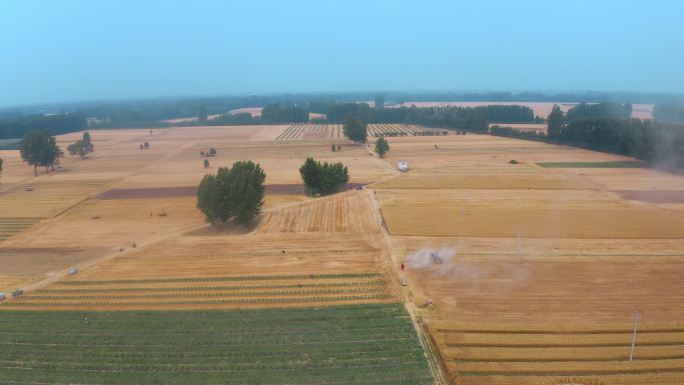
(78, 50)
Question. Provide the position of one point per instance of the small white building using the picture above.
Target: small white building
(402, 165)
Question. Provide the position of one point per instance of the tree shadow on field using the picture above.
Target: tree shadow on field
(228, 228)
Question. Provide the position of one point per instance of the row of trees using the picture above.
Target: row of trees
(653, 141)
(599, 111)
(496, 113)
(57, 124)
(669, 112)
(415, 115)
(275, 113)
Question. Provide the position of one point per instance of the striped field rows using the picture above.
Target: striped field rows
(278, 290)
(311, 131)
(376, 130)
(479, 356)
(11, 226)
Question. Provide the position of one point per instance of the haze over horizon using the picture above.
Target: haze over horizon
(60, 51)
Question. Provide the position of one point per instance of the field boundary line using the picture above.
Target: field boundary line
(437, 365)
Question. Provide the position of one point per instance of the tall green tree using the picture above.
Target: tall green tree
(82, 147)
(1, 165)
(381, 146)
(39, 148)
(247, 190)
(326, 178)
(309, 172)
(555, 123)
(379, 101)
(355, 129)
(233, 193)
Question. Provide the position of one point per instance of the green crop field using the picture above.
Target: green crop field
(355, 344)
(615, 164)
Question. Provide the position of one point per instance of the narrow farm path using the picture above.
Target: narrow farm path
(405, 294)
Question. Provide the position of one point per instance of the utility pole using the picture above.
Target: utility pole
(634, 334)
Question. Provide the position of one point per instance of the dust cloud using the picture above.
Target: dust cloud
(493, 274)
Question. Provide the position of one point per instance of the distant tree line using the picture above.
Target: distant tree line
(57, 124)
(443, 116)
(656, 142)
(669, 112)
(117, 113)
(275, 113)
(599, 110)
(147, 113)
(497, 113)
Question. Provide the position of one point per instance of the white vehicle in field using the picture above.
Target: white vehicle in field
(2, 296)
(402, 165)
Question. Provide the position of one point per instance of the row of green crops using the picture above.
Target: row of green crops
(354, 344)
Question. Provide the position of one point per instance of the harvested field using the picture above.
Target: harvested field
(329, 215)
(249, 254)
(207, 292)
(32, 260)
(312, 132)
(508, 177)
(111, 224)
(11, 226)
(616, 164)
(44, 198)
(369, 344)
(392, 130)
(501, 354)
(8, 283)
(548, 222)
